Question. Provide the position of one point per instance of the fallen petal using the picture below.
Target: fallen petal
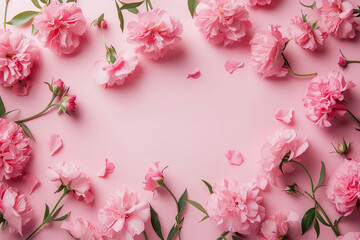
(284, 115)
(234, 157)
(194, 75)
(231, 66)
(107, 169)
(54, 144)
(31, 182)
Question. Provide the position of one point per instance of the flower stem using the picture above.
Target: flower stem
(301, 75)
(353, 116)
(145, 236)
(6, 6)
(177, 207)
(353, 61)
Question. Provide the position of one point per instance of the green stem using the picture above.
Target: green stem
(172, 195)
(40, 113)
(301, 75)
(178, 210)
(336, 232)
(353, 61)
(5, 13)
(145, 236)
(353, 116)
(307, 172)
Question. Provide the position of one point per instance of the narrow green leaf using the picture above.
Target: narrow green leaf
(61, 218)
(322, 175)
(336, 223)
(4, 224)
(36, 3)
(133, 10)
(130, 5)
(307, 220)
(208, 186)
(156, 223)
(172, 232)
(120, 16)
(2, 107)
(192, 6)
(47, 211)
(26, 130)
(321, 219)
(55, 214)
(197, 205)
(236, 238)
(22, 18)
(182, 202)
(33, 29)
(317, 228)
(98, 20)
(204, 218)
(43, 1)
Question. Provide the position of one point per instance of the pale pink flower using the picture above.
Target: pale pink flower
(17, 56)
(84, 230)
(110, 75)
(154, 33)
(266, 52)
(22, 87)
(285, 115)
(73, 178)
(234, 157)
(323, 98)
(305, 35)
(194, 75)
(276, 147)
(350, 236)
(231, 66)
(152, 176)
(15, 150)
(277, 226)
(258, 2)
(336, 17)
(237, 207)
(54, 143)
(107, 169)
(60, 26)
(222, 21)
(344, 187)
(124, 215)
(15, 208)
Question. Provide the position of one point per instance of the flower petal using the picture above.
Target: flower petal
(194, 75)
(285, 115)
(31, 182)
(231, 66)
(107, 169)
(54, 143)
(234, 157)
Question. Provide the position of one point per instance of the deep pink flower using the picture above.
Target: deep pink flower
(344, 187)
(152, 176)
(222, 21)
(350, 236)
(323, 98)
(283, 142)
(277, 226)
(60, 26)
(14, 208)
(266, 52)
(82, 229)
(337, 18)
(58, 86)
(258, 2)
(124, 215)
(17, 56)
(67, 104)
(15, 150)
(154, 33)
(305, 35)
(72, 177)
(115, 74)
(342, 62)
(237, 207)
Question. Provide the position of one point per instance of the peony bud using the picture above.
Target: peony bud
(342, 62)
(342, 148)
(58, 87)
(67, 104)
(103, 24)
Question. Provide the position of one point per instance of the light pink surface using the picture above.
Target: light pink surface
(158, 115)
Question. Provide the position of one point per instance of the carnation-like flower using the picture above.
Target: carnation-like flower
(277, 226)
(344, 187)
(17, 56)
(15, 149)
(124, 215)
(152, 177)
(266, 52)
(60, 26)
(154, 33)
(307, 35)
(258, 2)
(73, 178)
(84, 230)
(336, 17)
(115, 74)
(324, 96)
(222, 21)
(237, 207)
(14, 208)
(67, 104)
(283, 143)
(350, 236)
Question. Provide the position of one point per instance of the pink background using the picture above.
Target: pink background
(187, 124)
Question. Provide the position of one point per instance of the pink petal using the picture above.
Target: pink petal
(234, 157)
(284, 115)
(231, 66)
(31, 182)
(54, 144)
(107, 169)
(194, 75)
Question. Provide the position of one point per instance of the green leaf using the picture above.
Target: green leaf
(336, 223)
(208, 186)
(120, 16)
(22, 18)
(192, 6)
(236, 238)
(59, 189)
(204, 218)
(307, 220)
(36, 4)
(182, 203)
(172, 232)
(321, 219)
(322, 175)
(130, 5)
(133, 10)
(2, 107)
(43, 1)
(55, 214)
(317, 228)
(26, 130)
(4, 224)
(33, 29)
(61, 218)
(197, 205)
(156, 223)
(98, 20)
(47, 211)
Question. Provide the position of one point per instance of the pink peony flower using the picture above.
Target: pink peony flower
(115, 74)
(60, 26)
(155, 33)
(124, 215)
(82, 229)
(258, 2)
(266, 52)
(15, 150)
(305, 35)
(152, 176)
(350, 236)
(73, 178)
(14, 208)
(277, 226)
(337, 18)
(323, 98)
(237, 207)
(283, 142)
(17, 56)
(344, 187)
(222, 21)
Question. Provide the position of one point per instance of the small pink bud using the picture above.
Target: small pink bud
(103, 24)
(58, 86)
(342, 62)
(67, 104)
